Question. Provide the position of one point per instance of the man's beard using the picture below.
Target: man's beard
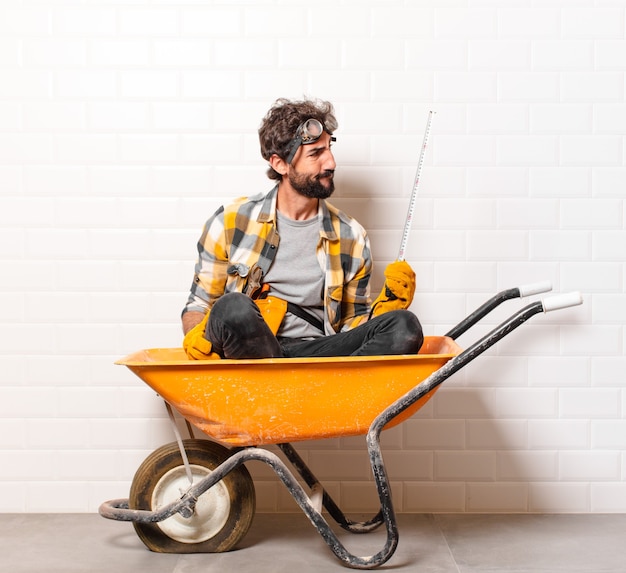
(312, 186)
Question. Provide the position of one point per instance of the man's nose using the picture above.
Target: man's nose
(329, 161)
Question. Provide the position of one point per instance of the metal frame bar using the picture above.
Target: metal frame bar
(327, 501)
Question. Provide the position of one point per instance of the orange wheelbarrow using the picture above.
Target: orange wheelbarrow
(196, 495)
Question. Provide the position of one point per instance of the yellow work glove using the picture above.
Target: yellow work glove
(398, 290)
(196, 346)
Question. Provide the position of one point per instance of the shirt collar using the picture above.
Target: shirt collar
(326, 230)
(267, 214)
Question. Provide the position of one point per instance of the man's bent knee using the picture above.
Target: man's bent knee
(237, 329)
(234, 308)
(409, 336)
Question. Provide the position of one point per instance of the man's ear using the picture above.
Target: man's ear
(278, 164)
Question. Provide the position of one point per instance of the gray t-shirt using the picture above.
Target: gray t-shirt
(295, 274)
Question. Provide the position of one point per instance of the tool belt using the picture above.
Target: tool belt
(273, 310)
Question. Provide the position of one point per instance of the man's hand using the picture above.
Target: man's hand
(398, 290)
(196, 346)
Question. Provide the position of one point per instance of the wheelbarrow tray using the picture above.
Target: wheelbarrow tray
(269, 401)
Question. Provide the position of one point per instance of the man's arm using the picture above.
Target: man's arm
(190, 319)
(210, 272)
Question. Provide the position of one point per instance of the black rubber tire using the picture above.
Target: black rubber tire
(238, 506)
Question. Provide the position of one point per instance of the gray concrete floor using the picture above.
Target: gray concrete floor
(67, 543)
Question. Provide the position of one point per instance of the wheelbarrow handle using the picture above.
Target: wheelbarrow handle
(495, 301)
(556, 302)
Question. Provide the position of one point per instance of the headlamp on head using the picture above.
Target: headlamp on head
(308, 132)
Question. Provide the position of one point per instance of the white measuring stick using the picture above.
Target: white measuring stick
(409, 215)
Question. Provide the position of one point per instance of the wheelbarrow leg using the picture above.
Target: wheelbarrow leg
(317, 519)
(327, 501)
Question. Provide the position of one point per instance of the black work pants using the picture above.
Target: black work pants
(237, 330)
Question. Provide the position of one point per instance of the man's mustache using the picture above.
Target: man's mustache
(327, 173)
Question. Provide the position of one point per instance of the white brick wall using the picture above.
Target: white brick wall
(124, 125)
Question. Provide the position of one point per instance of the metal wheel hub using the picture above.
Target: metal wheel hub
(210, 513)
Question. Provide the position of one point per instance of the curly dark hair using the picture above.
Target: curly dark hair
(282, 120)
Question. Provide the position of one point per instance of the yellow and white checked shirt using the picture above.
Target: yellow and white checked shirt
(244, 232)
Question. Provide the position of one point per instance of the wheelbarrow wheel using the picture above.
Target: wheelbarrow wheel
(222, 515)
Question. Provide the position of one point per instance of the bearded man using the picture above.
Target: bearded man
(285, 274)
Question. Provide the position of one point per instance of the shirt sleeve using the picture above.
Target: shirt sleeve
(356, 290)
(209, 280)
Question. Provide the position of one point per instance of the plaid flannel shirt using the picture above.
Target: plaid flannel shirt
(244, 233)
